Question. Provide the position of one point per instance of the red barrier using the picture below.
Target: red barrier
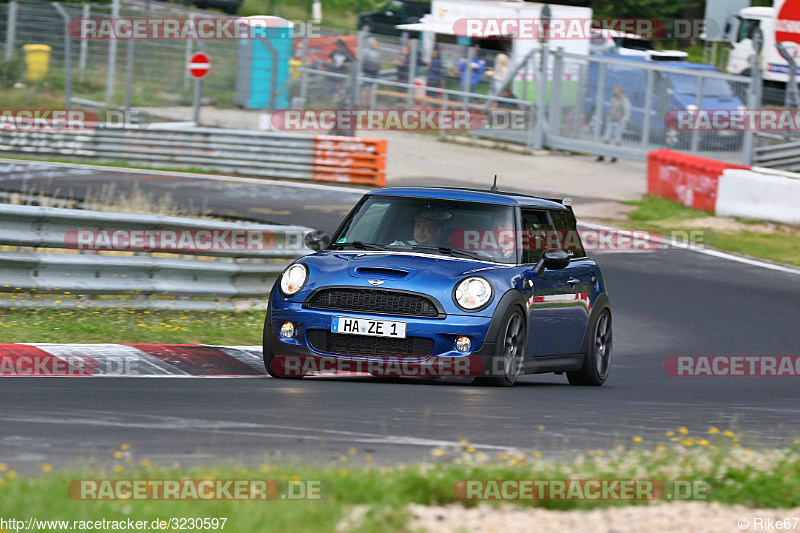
(349, 160)
(689, 179)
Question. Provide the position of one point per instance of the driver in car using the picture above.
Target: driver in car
(428, 228)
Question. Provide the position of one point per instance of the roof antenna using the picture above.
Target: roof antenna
(494, 186)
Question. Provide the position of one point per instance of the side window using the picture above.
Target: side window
(568, 236)
(536, 230)
(746, 29)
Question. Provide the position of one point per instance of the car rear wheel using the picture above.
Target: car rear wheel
(506, 366)
(597, 356)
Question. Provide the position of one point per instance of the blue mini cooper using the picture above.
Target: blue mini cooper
(444, 282)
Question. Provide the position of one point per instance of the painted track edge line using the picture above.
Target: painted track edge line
(714, 252)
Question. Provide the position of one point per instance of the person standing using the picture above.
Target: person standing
(618, 114)
(435, 73)
(403, 65)
(499, 72)
(370, 66)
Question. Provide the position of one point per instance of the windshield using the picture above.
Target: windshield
(441, 227)
(634, 44)
(687, 84)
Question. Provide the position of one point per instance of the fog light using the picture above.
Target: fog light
(463, 344)
(287, 330)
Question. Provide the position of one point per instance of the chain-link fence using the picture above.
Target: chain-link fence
(548, 99)
(575, 96)
(153, 72)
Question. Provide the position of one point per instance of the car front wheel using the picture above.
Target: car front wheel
(506, 366)
(597, 355)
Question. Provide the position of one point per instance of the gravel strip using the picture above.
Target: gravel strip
(688, 517)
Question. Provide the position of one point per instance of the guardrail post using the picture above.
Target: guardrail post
(84, 46)
(303, 64)
(11, 29)
(67, 57)
(699, 105)
(597, 116)
(753, 102)
(412, 73)
(541, 96)
(531, 114)
(129, 75)
(187, 57)
(554, 119)
(444, 110)
(467, 76)
(112, 57)
(647, 106)
(355, 76)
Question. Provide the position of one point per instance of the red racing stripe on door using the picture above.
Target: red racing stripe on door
(197, 359)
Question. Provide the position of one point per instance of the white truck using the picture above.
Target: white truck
(445, 24)
(780, 23)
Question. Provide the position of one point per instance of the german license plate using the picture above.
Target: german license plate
(369, 327)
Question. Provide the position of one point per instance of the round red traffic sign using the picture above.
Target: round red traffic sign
(199, 65)
(787, 25)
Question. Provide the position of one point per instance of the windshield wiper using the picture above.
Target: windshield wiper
(362, 245)
(450, 251)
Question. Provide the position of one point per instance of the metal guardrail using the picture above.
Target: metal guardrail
(247, 270)
(784, 156)
(263, 154)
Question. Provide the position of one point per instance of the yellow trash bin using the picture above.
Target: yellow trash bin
(37, 59)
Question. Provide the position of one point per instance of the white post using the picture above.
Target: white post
(12, 29)
(112, 57)
(188, 56)
(84, 46)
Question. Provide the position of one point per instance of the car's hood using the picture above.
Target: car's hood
(389, 266)
(435, 275)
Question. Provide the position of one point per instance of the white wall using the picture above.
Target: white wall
(759, 193)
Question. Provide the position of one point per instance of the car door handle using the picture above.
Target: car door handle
(572, 282)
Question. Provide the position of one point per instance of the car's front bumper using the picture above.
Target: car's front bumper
(440, 358)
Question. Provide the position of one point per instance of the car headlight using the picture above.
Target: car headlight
(293, 279)
(473, 293)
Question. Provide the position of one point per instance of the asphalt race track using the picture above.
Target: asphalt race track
(667, 302)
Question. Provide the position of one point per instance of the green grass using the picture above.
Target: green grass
(656, 208)
(128, 325)
(725, 472)
(345, 16)
(781, 245)
(110, 163)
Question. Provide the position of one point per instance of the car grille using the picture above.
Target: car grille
(375, 301)
(343, 344)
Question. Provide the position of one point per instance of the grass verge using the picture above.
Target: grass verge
(713, 460)
(765, 240)
(89, 326)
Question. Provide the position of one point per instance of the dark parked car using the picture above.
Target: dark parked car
(384, 20)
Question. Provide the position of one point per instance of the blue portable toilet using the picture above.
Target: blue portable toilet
(263, 64)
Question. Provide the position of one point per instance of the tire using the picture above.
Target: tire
(511, 338)
(269, 356)
(597, 354)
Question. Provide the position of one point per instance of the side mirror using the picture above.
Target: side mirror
(317, 240)
(552, 259)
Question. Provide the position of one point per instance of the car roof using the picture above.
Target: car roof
(472, 195)
(680, 64)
